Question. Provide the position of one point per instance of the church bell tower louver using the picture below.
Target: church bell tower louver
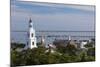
(31, 36)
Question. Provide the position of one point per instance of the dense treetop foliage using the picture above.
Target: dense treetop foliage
(62, 54)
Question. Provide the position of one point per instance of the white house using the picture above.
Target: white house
(82, 44)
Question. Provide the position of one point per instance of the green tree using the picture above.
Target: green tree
(89, 45)
(83, 56)
(17, 45)
(91, 51)
(71, 49)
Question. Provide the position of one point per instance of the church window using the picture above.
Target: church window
(32, 43)
(32, 34)
(30, 25)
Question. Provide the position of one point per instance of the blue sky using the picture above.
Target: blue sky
(49, 16)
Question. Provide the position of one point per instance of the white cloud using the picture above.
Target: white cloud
(85, 2)
(54, 21)
(80, 7)
(19, 18)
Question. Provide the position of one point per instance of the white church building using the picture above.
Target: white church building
(31, 36)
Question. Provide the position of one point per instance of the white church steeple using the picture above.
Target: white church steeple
(31, 37)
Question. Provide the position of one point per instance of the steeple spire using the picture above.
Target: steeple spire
(30, 23)
(30, 20)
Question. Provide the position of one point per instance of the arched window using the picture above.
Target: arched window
(32, 43)
(32, 35)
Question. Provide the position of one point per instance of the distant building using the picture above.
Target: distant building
(51, 48)
(64, 43)
(69, 38)
(59, 42)
(73, 42)
(42, 41)
(83, 43)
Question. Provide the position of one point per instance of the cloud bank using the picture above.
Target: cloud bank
(48, 16)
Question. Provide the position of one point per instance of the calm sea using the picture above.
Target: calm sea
(50, 36)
